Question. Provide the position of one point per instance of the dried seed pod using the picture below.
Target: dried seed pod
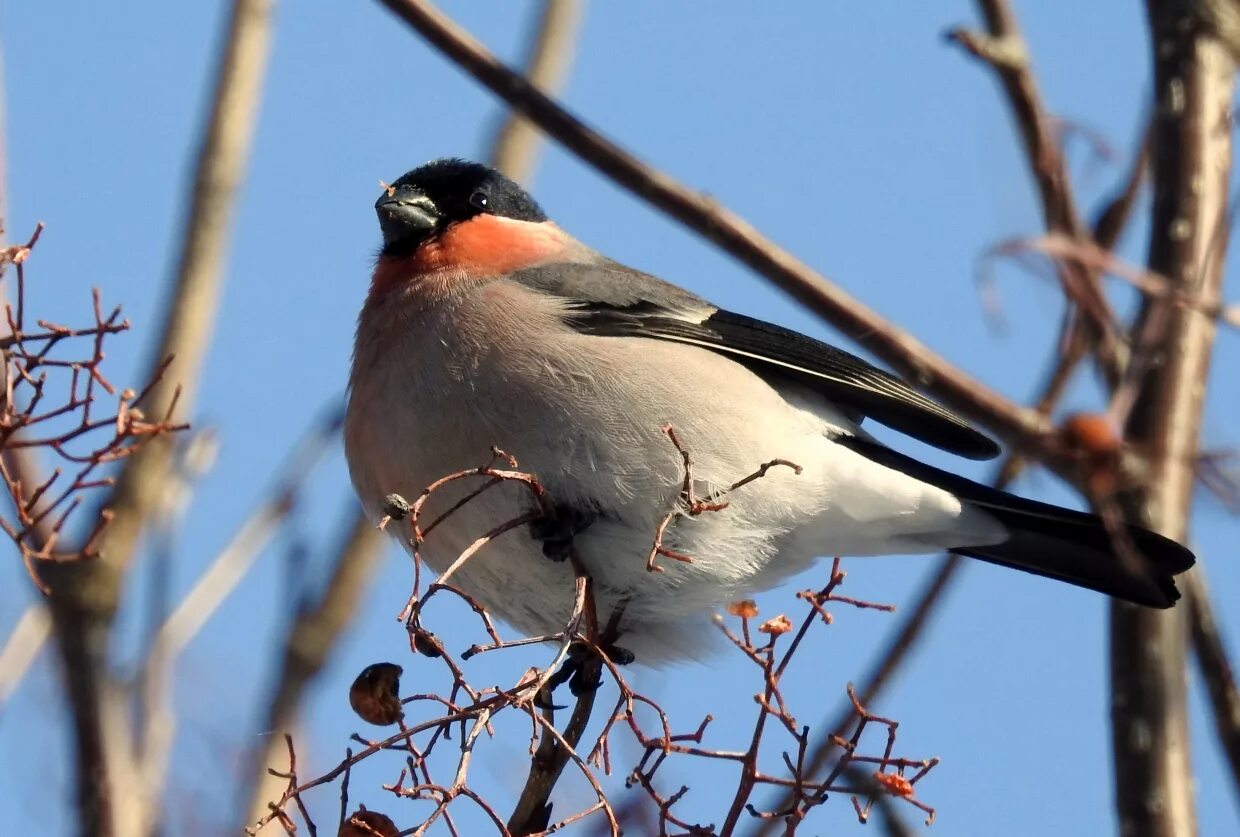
(395, 507)
(745, 608)
(375, 694)
(363, 823)
(1093, 433)
(776, 625)
(895, 784)
(425, 642)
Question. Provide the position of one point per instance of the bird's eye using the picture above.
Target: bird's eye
(478, 200)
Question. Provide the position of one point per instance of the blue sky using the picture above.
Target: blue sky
(850, 133)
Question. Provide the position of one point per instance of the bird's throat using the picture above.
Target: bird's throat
(475, 251)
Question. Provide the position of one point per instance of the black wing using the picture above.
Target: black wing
(772, 351)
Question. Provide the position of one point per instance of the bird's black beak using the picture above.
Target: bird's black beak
(406, 217)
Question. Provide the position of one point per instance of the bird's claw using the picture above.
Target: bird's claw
(573, 671)
(557, 530)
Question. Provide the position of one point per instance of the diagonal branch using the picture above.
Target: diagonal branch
(517, 142)
(213, 587)
(1003, 48)
(22, 646)
(311, 637)
(730, 232)
(1216, 669)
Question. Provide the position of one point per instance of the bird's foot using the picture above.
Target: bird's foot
(577, 672)
(557, 530)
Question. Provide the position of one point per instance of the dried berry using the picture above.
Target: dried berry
(745, 608)
(363, 823)
(776, 625)
(395, 507)
(895, 784)
(375, 694)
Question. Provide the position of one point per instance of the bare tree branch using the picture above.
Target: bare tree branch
(33, 627)
(517, 142)
(310, 639)
(533, 811)
(22, 647)
(730, 232)
(85, 595)
(888, 662)
(1216, 669)
(216, 583)
(1011, 61)
(1190, 165)
(190, 316)
(1003, 48)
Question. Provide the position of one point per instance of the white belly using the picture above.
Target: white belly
(587, 419)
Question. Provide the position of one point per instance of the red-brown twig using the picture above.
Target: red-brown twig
(485, 703)
(1003, 49)
(691, 505)
(554, 747)
(46, 408)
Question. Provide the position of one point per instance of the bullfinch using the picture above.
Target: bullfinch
(488, 325)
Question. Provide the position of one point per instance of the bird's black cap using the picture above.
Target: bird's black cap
(425, 201)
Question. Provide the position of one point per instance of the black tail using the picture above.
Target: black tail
(1054, 542)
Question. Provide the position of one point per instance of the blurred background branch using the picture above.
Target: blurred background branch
(85, 596)
(1190, 172)
(518, 143)
(1216, 670)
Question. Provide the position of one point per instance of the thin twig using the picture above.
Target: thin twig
(911, 630)
(234, 560)
(311, 636)
(1003, 48)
